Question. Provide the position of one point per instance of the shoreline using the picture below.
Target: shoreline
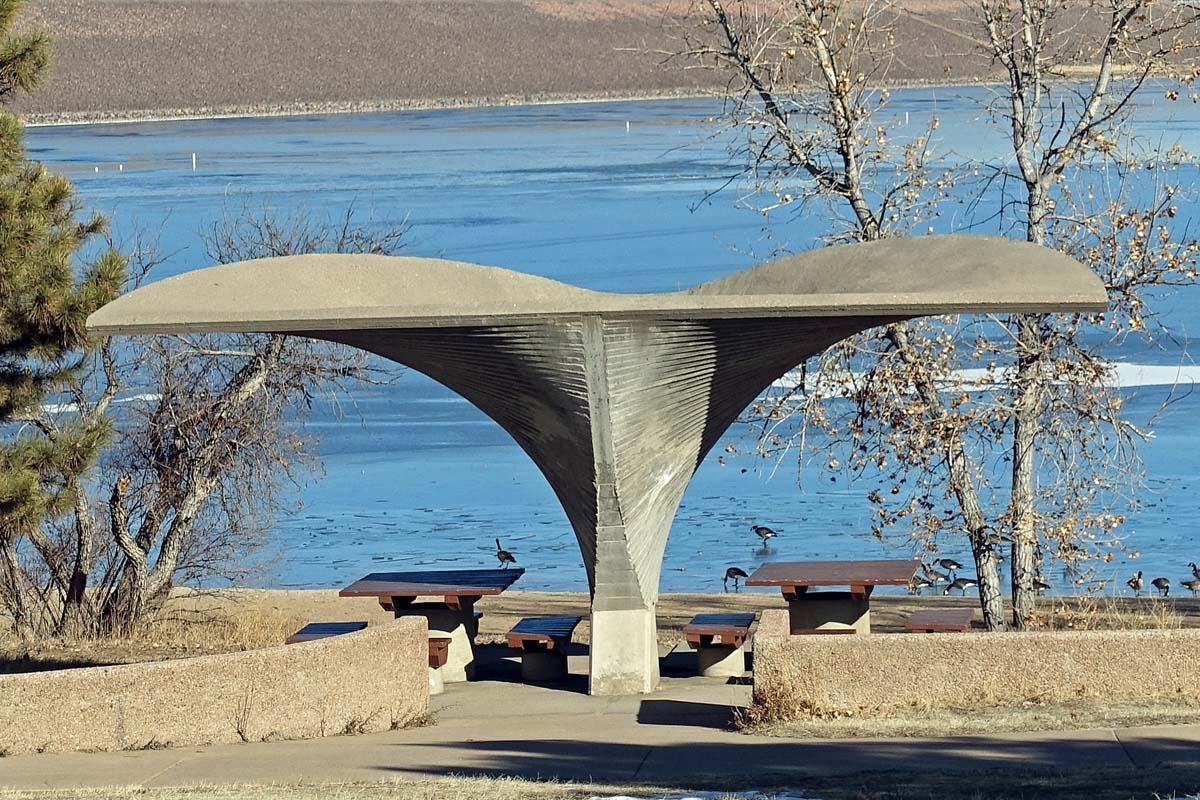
(268, 110)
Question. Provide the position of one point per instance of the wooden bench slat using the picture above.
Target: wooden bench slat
(704, 628)
(821, 631)
(552, 631)
(323, 630)
(940, 620)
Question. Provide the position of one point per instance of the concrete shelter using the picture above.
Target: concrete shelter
(616, 397)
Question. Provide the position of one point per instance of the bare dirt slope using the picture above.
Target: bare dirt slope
(113, 57)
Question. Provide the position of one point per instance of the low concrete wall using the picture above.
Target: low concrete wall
(795, 676)
(371, 680)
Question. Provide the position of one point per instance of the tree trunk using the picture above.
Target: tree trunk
(1022, 511)
(76, 617)
(960, 467)
(14, 598)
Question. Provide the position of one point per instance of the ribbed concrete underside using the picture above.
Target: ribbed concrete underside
(617, 414)
(616, 398)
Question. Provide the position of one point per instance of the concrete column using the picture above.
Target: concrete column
(721, 661)
(817, 610)
(456, 624)
(624, 652)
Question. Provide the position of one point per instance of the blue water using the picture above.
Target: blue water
(616, 197)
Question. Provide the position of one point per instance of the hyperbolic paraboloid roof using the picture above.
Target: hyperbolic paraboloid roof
(897, 278)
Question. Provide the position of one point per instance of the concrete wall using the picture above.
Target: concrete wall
(372, 680)
(795, 676)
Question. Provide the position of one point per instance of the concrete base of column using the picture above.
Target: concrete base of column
(817, 610)
(624, 652)
(456, 624)
(544, 666)
(436, 684)
(721, 661)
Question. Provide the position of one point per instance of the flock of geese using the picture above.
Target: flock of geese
(1137, 583)
(931, 576)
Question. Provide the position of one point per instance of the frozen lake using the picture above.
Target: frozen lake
(607, 196)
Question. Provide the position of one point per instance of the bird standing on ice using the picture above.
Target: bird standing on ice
(504, 556)
(736, 573)
(764, 533)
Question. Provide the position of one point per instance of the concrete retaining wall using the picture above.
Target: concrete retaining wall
(795, 676)
(372, 680)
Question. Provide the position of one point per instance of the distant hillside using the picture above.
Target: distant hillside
(114, 57)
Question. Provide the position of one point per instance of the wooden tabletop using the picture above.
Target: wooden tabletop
(889, 572)
(433, 583)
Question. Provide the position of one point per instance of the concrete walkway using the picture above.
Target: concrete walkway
(675, 736)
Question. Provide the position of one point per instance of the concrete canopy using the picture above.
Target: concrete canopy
(616, 397)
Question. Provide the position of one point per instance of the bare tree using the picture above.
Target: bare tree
(207, 434)
(807, 96)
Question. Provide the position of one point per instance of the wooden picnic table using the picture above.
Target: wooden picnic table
(824, 610)
(452, 615)
(454, 586)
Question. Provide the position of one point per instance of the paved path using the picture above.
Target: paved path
(676, 735)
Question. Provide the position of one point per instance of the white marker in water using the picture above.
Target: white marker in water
(627, 126)
(120, 167)
(97, 169)
(193, 162)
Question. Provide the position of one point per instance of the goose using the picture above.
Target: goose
(933, 575)
(1136, 583)
(763, 532)
(918, 583)
(736, 573)
(1040, 585)
(949, 564)
(504, 556)
(1195, 570)
(961, 583)
(1193, 585)
(1162, 584)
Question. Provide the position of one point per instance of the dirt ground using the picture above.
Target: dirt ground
(240, 619)
(129, 58)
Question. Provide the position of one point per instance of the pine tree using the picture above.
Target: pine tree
(46, 295)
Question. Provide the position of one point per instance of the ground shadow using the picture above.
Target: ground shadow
(502, 664)
(687, 714)
(758, 762)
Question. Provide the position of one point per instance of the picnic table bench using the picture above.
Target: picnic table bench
(543, 644)
(824, 610)
(451, 614)
(940, 620)
(719, 641)
(323, 630)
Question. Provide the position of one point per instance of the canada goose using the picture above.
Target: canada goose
(960, 583)
(933, 575)
(949, 564)
(1193, 585)
(763, 532)
(504, 556)
(1040, 585)
(918, 583)
(736, 574)
(1162, 584)
(1195, 570)
(1136, 583)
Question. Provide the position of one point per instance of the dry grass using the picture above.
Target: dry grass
(1115, 783)
(431, 789)
(1092, 613)
(244, 619)
(1083, 714)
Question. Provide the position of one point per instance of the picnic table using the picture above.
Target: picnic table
(825, 611)
(451, 612)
